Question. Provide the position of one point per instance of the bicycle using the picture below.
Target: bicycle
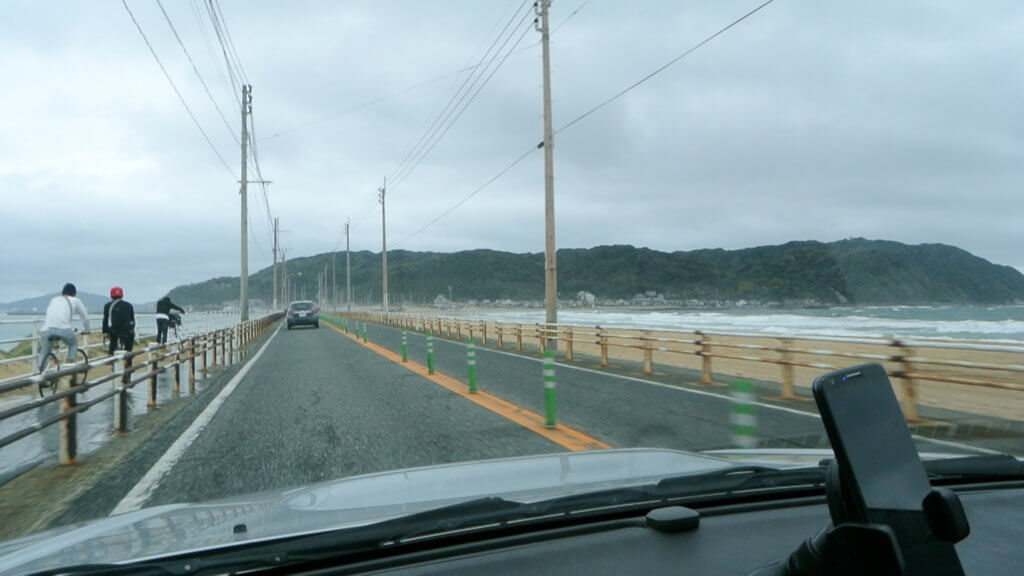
(52, 363)
(173, 321)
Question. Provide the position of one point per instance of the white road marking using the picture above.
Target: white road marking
(138, 495)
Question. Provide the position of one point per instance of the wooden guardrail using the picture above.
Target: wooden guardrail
(127, 370)
(799, 358)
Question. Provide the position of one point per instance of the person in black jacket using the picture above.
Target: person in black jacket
(163, 310)
(119, 321)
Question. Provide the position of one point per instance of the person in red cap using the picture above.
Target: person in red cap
(119, 321)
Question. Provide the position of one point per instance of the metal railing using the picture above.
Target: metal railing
(126, 370)
(909, 362)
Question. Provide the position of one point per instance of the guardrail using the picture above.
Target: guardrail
(127, 369)
(799, 358)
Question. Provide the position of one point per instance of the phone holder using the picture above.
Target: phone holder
(851, 546)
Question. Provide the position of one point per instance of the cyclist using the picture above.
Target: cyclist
(119, 321)
(163, 309)
(57, 325)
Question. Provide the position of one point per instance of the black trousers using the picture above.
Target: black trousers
(161, 330)
(126, 340)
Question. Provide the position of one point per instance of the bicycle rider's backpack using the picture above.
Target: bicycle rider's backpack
(121, 317)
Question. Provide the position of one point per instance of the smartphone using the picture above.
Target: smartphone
(878, 459)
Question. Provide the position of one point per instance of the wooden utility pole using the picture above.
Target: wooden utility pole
(384, 245)
(243, 297)
(550, 267)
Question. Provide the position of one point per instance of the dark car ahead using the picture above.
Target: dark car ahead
(303, 313)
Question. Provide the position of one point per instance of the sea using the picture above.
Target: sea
(14, 327)
(1003, 324)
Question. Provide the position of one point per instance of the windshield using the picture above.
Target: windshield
(409, 234)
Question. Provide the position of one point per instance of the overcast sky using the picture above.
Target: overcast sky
(807, 121)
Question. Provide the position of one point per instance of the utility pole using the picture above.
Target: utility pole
(384, 244)
(284, 277)
(274, 295)
(550, 268)
(348, 271)
(243, 297)
(334, 280)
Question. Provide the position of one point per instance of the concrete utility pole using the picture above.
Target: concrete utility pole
(274, 296)
(550, 268)
(284, 277)
(384, 244)
(334, 281)
(243, 297)
(348, 272)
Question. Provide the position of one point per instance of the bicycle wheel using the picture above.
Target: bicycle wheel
(84, 376)
(48, 384)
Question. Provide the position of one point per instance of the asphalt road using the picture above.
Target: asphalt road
(619, 409)
(317, 405)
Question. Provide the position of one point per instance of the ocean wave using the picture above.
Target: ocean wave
(861, 322)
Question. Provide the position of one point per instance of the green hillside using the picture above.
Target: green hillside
(849, 271)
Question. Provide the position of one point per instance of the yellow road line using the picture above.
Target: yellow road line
(562, 435)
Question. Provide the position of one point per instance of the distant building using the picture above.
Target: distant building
(585, 298)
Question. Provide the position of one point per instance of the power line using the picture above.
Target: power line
(228, 89)
(471, 194)
(196, 70)
(473, 68)
(231, 43)
(212, 13)
(176, 91)
(661, 69)
(582, 116)
(452, 112)
(368, 103)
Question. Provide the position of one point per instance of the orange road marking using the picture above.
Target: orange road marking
(562, 435)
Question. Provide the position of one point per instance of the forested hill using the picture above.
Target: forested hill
(855, 271)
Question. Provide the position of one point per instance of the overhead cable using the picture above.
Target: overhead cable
(176, 91)
(452, 112)
(584, 115)
(663, 68)
(196, 70)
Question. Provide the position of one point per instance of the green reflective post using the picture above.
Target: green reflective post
(471, 362)
(743, 415)
(549, 388)
(430, 353)
(405, 347)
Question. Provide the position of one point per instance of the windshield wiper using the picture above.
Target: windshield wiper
(488, 512)
(994, 467)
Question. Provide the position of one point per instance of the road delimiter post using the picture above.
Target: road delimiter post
(471, 363)
(743, 416)
(549, 388)
(405, 346)
(430, 353)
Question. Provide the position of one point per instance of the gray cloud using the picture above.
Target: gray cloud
(807, 121)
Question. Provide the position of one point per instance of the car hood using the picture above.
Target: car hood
(347, 502)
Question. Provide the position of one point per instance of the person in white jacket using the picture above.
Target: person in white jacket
(58, 323)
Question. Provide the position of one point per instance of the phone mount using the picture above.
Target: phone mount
(851, 546)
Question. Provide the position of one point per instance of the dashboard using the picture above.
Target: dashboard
(732, 540)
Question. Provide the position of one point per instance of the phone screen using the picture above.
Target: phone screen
(876, 452)
(874, 439)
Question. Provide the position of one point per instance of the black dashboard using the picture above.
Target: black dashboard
(734, 540)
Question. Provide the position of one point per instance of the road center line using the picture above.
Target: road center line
(138, 495)
(562, 435)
